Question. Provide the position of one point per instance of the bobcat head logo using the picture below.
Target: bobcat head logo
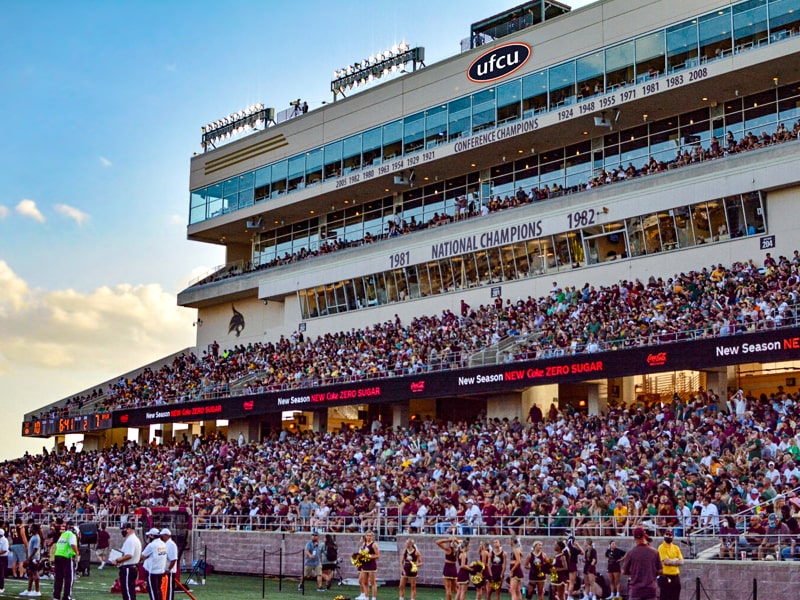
(236, 323)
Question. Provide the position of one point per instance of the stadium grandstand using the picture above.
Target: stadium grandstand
(536, 288)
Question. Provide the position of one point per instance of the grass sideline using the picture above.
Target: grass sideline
(218, 587)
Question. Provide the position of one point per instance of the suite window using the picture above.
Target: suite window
(749, 24)
(262, 183)
(392, 140)
(351, 153)
(483, 110)
(715, 34)
(458, 119)
(534, 94)
(372, 141)
(509, 101)
(682, 46)
(333, 160)
(435, 126)
(562, 84)
(650, 56)
(589, 70)
(619, 65)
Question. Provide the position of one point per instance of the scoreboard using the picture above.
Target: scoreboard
(62, 425)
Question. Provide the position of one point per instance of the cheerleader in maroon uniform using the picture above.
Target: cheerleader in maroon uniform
(450, 571)
(486, 574)
(561, 567)
(538, 568)
(589, 569)
(515, 585)
(462, 579)
(497, 567)
(367, 575)
(410, 562)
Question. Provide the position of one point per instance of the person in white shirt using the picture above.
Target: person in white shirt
(128, 563)
(154, 557)
(172, 562)
(3, 557)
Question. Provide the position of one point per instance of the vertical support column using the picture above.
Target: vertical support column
(717, 380)
(628, 391)
(320, 420)
(594, 403)
(400, 414)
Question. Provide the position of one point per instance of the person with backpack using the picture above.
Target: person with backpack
(330, 559)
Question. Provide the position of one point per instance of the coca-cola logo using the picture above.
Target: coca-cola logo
(248, 405)
(655, 360)
(418, 386)
(123, 419)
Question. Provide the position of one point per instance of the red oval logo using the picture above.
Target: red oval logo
(499, 62)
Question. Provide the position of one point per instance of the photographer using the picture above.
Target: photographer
(330, 560)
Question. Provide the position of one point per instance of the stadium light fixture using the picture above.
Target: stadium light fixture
(255, 116)
(382, 64)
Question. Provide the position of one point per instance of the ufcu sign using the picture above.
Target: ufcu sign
(499, 62)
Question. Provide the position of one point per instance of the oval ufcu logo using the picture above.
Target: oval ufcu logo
(499, 62)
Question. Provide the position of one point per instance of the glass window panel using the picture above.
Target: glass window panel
(333, 160)
(562, 84)
(483, 110)
(297, 172)
(700, 222)
(392, 140)
(784, 19)
(749, 24)
(682, 46)
(563, 251)
(619, 65)
(371, 290)
(262, 183)
(537, 257)
(469, 270)
(521, 262)
(551, 169)
(509, 101)
(548, 253)
(650, 56)
(683, 226)
(589, 70)
(667, 231)
(413, 132)
(231, 187)
(717, 218)
(230, 197)
(279, 171)
(715, 33)
(435, 126)
(314, 166)
(754, 213)
(436, 277)
(372, 144)
(458, 119)
(411, 277)
(302, 296)
(734, 211)
(424, 281)
(351, 153)
(760, 112)
(534, 93)
(634, 146)
(459, 273)
(636, 244)
(360, 292)
(391, 286)
(495, 265)
(664, 140)
(246, 198)
(246, 180)
(578, 164)
(508, 263)
(482, 267)
(197, 206)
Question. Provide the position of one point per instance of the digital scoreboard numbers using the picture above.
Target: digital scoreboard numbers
(65, 425)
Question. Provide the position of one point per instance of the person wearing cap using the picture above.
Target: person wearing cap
(128, 563)
(672, 560)
(642, 565)
(64, 568)
(167, 588)
(312, 562)
(777, 534)
(3, 557)
(154, 557)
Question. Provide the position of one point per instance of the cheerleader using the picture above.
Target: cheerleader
(561, 567)
(462, 579)
(538, 568)
(410, 562)
(483, 556)
(515, 585)
(497, 568)
(367, 573)
(450, 570)
(589, 570)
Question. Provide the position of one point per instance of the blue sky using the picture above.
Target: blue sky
(102, 104)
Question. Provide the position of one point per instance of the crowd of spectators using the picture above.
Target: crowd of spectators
(467, 207)
(711, 302)
(686, 464)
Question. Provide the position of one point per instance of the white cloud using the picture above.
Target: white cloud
(57, 343)
(27, 208)
(73, 213)
(104, 161)
(3, 211)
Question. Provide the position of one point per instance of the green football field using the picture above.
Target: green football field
(217, 587)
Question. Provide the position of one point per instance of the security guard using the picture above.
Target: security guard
(64, 568)
(154, 557)
(128, 563)
(172, 564)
